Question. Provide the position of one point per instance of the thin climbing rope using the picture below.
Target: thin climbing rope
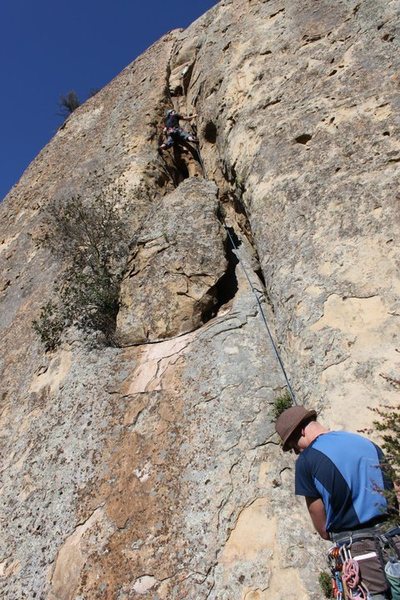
(264, 318)
(351, 577)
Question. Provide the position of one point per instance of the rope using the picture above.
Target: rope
(351, 577)
(264, 318)
(201, 162)
(351, 574)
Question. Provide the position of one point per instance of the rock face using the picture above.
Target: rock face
(151, 470)
(187, 268)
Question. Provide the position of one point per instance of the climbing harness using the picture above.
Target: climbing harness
(264, 318)
(345, 574)
(186, 148)
(345, 568)
(392, 567)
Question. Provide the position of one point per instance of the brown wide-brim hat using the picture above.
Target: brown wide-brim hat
(290, 420)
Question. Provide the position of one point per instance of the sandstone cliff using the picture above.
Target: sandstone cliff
(151, 470)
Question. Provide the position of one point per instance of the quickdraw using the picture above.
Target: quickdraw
(335, 565)
(345, 573)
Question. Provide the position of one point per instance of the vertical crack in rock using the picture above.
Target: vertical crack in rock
(233, 212)
(182, 160)
(226, 287)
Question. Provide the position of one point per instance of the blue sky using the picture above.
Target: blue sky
(48, 48)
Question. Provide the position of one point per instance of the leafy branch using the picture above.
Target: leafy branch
(90, 236)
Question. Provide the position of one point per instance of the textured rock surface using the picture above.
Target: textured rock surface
(306, 112)
(152, 471)
(186, 268)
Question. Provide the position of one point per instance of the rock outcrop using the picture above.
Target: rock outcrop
(151, 470)
(187, 269)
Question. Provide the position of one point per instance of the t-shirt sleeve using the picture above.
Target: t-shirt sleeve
(304, 483)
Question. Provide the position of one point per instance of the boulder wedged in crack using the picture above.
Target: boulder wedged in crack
(178, 259)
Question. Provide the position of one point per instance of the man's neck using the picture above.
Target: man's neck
(314, 430)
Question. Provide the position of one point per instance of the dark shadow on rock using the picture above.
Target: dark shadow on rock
(227, 286)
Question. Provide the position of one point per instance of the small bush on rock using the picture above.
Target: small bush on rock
(325, 582)
(49, 325)
(389, 426)
(281, 403)
(68, 103)
(91, 238)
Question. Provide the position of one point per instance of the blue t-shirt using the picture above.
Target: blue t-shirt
(343, 469)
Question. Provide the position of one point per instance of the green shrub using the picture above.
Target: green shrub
(325, 582)
(389, 427)
(91, 238)
(49, 326)
(68, 103)
(281, 403)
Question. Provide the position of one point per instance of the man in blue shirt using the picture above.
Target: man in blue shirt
(341, 477)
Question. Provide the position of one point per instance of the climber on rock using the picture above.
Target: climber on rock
(174, 133)
(342, 478)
